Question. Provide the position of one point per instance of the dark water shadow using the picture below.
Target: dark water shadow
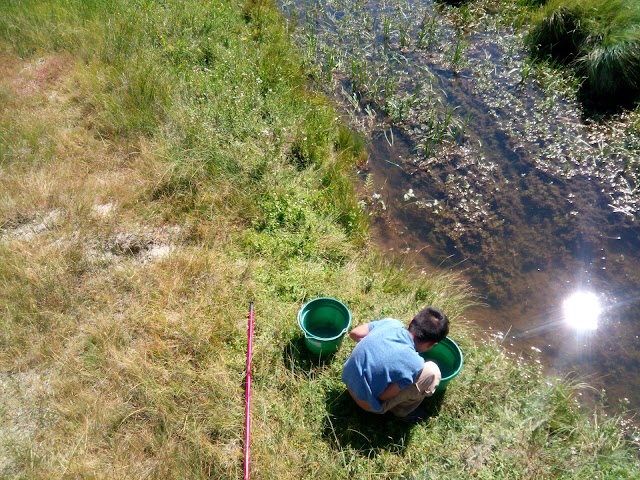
(348, 426)
(297, 358)
(601, 108)
(454, 3)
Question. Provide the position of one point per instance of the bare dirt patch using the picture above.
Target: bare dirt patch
(27, 228)
(146, 245)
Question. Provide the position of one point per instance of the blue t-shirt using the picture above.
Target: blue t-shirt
(386, 354)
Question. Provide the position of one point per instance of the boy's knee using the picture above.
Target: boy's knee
(429, 379)
(430, 368)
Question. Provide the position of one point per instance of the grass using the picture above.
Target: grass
(600, 39)
(165, 163)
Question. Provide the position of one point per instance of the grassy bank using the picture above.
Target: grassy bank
(163, 164)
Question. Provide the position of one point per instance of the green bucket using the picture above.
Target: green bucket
(448, 356)
(324, 322)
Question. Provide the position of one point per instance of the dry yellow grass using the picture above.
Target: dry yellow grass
(117, 327)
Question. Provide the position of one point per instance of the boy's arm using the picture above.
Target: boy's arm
(359, 332)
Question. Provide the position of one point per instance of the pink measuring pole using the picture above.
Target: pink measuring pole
(247, 405)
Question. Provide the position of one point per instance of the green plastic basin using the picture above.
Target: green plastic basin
(324, 322)
(448, 356)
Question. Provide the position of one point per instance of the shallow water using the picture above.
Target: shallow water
(479, 165)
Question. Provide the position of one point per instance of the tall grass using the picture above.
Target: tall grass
(601, 39)
(174, 169)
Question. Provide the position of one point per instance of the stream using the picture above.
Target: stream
(484, 163)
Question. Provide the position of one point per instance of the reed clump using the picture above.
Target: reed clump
(600, 39)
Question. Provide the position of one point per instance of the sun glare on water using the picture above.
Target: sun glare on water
(581, 311)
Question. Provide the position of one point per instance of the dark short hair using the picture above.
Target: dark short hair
(430, 325)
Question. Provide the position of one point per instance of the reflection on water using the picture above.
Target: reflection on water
(581, 311)
(489, 170)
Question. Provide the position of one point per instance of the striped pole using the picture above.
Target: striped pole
(247, 406)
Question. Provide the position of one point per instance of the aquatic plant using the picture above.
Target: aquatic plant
(427, 31)
(600, 39)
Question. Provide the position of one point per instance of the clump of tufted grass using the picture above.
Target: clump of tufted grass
(600, 39)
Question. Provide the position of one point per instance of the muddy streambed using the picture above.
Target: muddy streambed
(483, 162)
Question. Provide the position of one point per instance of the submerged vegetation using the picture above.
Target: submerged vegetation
(600, 38)
(458, 83)
(164, 163)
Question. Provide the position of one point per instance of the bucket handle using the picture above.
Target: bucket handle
(309, 335)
